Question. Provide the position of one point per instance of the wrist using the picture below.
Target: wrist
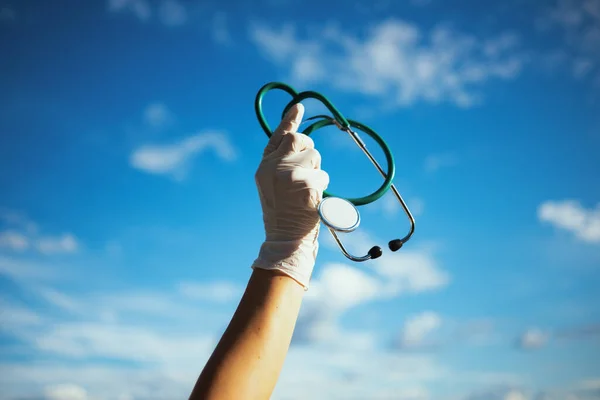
(295, 258)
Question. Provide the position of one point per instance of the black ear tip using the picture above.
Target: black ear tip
(375, 252)
(395, 244)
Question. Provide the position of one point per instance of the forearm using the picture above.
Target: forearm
(248, 359)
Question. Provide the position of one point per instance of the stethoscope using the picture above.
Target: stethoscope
(340, 214)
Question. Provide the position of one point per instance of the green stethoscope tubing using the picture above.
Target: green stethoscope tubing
(339, 120)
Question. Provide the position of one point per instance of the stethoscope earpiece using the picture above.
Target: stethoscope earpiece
(395, 244)
(337, 213)
(375, 252)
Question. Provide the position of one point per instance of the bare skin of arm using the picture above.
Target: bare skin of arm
(250, 355)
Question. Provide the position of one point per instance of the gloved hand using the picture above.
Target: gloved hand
(290, 185)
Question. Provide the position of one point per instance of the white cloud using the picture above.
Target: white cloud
(26, 236)
(173, 159)
(14, 316)
(172, 13)
(435, 162)
(503, 392)
(20, 242)
(410, 270)
(168, 338)
(157, 115)
(58, 299)
(18, 220)
(65, 392)
(337, 288)
(169, 12)
(123, 342)
(139, 8)
(418, 327)
(579, 23)
(14, 241)
(66, 243)
(220, 29)
(396, 62)
(571, 216)
(174, 351)
(581, 67)
(340, 287)
(533, 339)
(589, 384)
(20, 270)
(222, 292)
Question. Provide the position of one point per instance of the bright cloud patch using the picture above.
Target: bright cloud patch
(532, 339)
(571, 216)
(339, 287)
(418, 327)
(173, 159)
(65, 392)
(396, 61)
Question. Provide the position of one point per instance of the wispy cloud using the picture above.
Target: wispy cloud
(14, 240)
(66, 243)
(139, 8)
(417, 329)
(7, 14)
(340, 288)
(21, 234)
(157, 115)
(420, 3)
(14, 315)
(65, 391)
(579, 23)
(536, 338)
(20, 270)
(19, 242)
(165, 333)
(571, 216)
(396, 62)
(18, 220)
(533, 338)
(435, 162)
(220, 291)
(168, 12)
(409, 271)
(220, 29)
(500, 392)
(172, 13)
(173, 159)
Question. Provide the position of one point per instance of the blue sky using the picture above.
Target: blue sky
(129, 216)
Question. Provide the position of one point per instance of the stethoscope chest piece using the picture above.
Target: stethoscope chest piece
(339, 214)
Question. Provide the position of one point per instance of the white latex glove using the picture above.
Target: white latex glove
(290, 185)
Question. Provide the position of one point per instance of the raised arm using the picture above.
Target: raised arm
(249, 357)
